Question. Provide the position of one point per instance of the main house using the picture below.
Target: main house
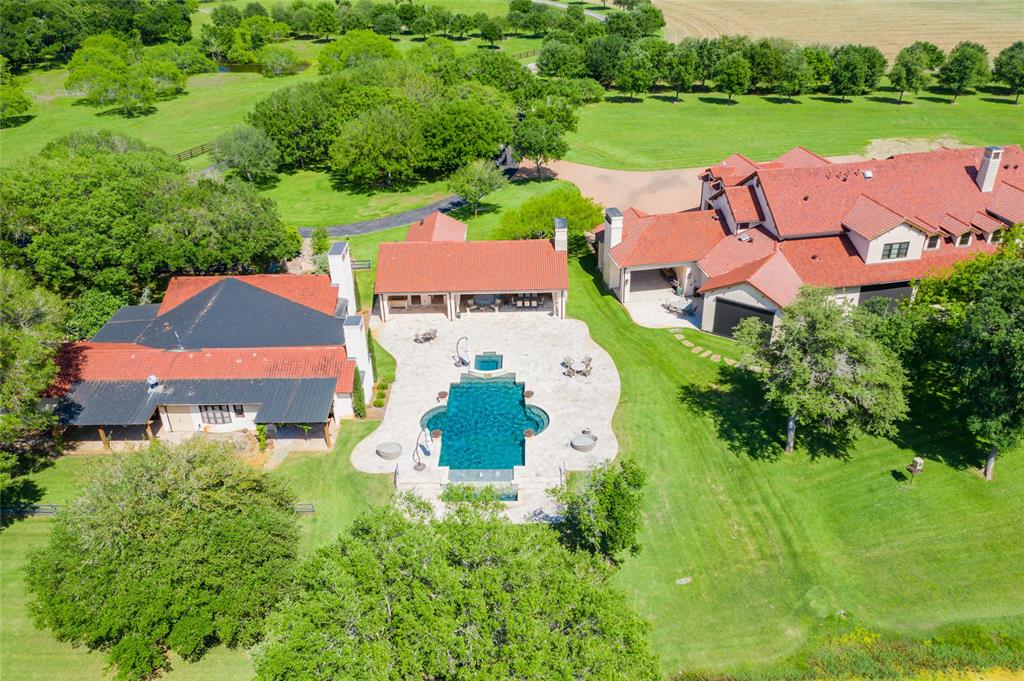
(865, 229)
(436, 269)
(222, 354)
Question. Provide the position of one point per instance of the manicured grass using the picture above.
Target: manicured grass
(329, 481)
(307, 198)
(213, 103)
(659, 133)
(483, 226)
(775, 543)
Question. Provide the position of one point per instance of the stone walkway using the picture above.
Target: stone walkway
(533, 345)
(677, 333)
(376, 225)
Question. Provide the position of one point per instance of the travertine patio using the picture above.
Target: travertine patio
(533, 345)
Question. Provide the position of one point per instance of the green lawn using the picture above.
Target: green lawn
(775, 543)
(658, 133)
(28, 654)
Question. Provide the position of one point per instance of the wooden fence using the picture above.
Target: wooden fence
(193, 152)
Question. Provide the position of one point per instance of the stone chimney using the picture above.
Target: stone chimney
(612, 227)
(339, 264)
(357, 347)
(989, 170)
(561, 234)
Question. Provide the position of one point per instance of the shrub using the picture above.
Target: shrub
(320, 240)
(177, 548)
(276, 60)
(261, 436)
(535, 218)
(358, 398)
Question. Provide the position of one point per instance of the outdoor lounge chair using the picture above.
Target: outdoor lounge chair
(426, 336)
(673, 309)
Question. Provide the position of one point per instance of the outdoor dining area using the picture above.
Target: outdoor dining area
(580, 367)
(508, 302)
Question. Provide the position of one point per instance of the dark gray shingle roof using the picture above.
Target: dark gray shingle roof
(281, 400)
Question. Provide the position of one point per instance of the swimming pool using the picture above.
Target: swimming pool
(487, 361)
(483, 427)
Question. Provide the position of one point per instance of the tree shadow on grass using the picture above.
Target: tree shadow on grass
(778, 99)
(722, 101)
(33, 454)
(832, 99)
(752, 427)
(933, 431)
(999, 100)
(16, 121)
(671, 99)
(885, 100)
(623, 99)
(936, 99)
(132, 113)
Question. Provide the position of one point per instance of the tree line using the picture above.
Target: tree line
(381, 119)
(627, 57)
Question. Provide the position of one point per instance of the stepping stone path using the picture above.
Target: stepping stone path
(687, 343)
(730, 362)
(705, 353)
(678, 336)
(696, 349)
(716, 358)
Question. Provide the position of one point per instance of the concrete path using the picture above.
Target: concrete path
(408, 217)
(561, 5)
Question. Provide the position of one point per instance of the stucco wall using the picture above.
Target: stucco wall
(741, 293)
(245, 422)
(897, 234)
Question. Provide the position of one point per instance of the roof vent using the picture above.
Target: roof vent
(152, 382)
(744, 237)
(868, 174)
(806, 197)
(814, 256)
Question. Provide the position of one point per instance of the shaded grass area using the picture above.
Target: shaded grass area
(774, 543)
(29, 654)
(658, 133)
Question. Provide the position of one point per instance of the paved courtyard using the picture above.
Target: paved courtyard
(648, 291)
(533, 345)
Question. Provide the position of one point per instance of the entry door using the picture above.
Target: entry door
(179, 416)
(728, 314)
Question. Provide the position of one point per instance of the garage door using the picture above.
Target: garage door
(728, 314)
(892, 291)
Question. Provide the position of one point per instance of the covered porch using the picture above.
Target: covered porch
(662, 296)
(455, 304)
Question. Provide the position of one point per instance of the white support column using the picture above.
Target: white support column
(624, 284)
(385, 308)
(449, 306)
(339, 264)
(357, 346)
(565, 301)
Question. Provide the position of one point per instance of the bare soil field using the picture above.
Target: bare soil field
(887, 24)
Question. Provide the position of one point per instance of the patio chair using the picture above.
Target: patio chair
(569, 372)
(587, 360)
(586, 371)
(567, 362)
(426, 336)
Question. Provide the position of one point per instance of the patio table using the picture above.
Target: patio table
(579, 367)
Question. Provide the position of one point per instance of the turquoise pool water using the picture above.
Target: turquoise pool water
(482, 426)
(487, 361)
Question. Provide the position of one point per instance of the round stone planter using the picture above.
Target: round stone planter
(583, 443)
(389, 451)
(528, 432)
(435, 433)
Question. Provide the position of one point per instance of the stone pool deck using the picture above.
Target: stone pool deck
(533, 345)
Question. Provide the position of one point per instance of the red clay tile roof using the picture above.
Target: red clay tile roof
(470, 267)
(773, 276)
(437, 227)
(734, 251)
(801, 157)
(950, 225)
(986, 223)
(744, 204)
(667, 238)
(738, 167)
(1008, 198)
(833, 261)
(870, 219)
(310, 290)
(78, 362)
(925, 187)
